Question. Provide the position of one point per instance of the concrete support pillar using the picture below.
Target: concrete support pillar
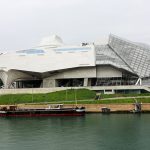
(89, 82)
(85, 82)
(49, 83)
(16, 85)
(139, 81)
(56, 83)
(41, 86)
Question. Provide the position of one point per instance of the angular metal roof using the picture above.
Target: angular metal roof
(106, 56)
(124, 54)
(135, 56)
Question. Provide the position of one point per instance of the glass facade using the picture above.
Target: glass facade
(114, 81)
(106, 56)
(134, 55)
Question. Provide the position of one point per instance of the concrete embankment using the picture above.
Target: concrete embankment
(113, 107)
(91, 108)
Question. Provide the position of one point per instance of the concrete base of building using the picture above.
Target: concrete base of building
(100, 89)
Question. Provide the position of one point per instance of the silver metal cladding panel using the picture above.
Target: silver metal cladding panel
(136, 57)
(106, 56)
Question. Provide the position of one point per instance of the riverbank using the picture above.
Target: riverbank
(92, 108)
(84, 97)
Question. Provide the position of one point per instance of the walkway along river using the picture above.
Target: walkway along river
(92, 108)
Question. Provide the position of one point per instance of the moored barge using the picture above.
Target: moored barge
(58, 110)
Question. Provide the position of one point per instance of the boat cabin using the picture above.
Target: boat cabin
(55, 106)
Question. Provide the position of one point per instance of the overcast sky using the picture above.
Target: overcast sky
(23, 23)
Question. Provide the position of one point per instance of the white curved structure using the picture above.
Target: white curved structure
(54, 64)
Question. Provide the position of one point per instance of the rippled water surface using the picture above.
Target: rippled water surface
(91, 132)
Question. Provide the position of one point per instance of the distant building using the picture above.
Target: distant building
(54, 64)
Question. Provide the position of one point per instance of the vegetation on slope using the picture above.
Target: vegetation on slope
(83, 96)
(114, 101)
(67, 95)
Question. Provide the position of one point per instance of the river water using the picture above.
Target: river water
(91, 132)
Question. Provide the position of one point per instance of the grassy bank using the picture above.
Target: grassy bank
(114, 101)
(59, 96)
(83, 96)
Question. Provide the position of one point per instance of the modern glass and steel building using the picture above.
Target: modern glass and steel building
(119, 63)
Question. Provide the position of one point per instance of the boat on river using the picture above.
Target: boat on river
(52, 110)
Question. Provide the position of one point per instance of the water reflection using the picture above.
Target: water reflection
(93, 131)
